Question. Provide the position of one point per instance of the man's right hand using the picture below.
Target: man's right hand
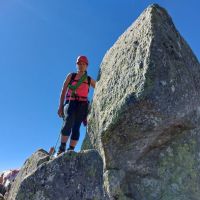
(60, 111)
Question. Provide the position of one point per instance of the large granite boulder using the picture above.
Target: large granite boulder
(29, 167)
(145, 115)
(70, 176)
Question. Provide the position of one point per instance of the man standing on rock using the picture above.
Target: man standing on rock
(74, 103)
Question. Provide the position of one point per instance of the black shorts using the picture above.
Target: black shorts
(75, 112)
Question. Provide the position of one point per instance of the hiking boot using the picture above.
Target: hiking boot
(61, 150)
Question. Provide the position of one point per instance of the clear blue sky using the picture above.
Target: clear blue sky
(39, 42)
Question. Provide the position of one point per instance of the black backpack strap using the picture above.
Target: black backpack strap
(72, 77)
(89, 80)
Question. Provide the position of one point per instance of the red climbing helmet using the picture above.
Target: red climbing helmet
(82, 59)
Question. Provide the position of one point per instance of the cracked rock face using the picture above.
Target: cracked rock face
(144, 119)
(29, 167)
(70, 176)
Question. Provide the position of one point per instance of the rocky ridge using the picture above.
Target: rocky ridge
(142, 140)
